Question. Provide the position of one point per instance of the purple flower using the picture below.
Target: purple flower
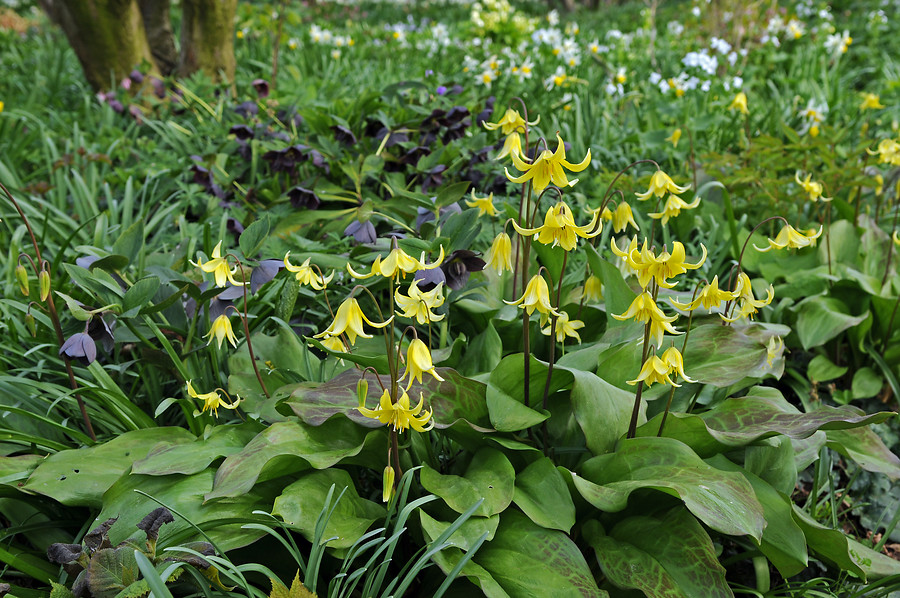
(441, 90)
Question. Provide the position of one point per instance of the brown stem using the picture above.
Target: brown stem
(244, 319)
(687, 334)
(54, 317)
(632, 425)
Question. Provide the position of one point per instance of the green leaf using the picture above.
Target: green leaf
(193, 457)
(616, 292)
(664, 558)
(448, 559)
(130, 242)
(724, 355)
(140, 293)
(455, 399)
(285, 448)
(866, 448)
(866, 383)
(254, 236)
(490, 476)
(542, 494)
(831, 545)
(451, 194)
(79, 477)
(466, 536)
(528, 561)
(821, 319)
(302, 501)
(602, 411)
(112, 570)
(722, 500)
(287, 298)
(821, 369)
(483, 352)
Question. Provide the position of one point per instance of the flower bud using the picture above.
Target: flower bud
(44, 284)
(22, 278)
(30, 325)
(362, 390)
(387, 489)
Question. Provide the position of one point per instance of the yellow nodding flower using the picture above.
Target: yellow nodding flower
(748, 305)
(644, 309)
(710, 297)
(333, 343)
(418, 304)
(221, 330)
(773, 348)
(485, 205)
(399, 414)
(564, 327)
(349, 319)
(218, 265)
(305, 274)
(398, 261)
(660, 184)
(510, 122)
(813, 188)
(674, 138)
(593, 289)
(888, 152)
(665, 265)
(511, 146)
(536, 297)
(739, 103)
(499, 256)
(418, 362)
(871, 101)
(547, 168)
(622, 217)
(673, 207)
(791, 238)
(654, 370)
(672, 358)
(559, 228)
(212, 400)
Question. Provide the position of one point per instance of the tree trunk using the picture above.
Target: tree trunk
(107, 36)
(158, 28)
(207, 38)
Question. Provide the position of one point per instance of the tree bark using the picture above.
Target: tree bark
(207, 38)
(158, 27)
(107, 36)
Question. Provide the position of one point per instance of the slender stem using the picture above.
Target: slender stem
(54, 317)
(621, 172)
(737, 268)
(245, 321)
(632, 425)
(890, 327)
(687, 333)
(887, 265)
(395, 454)
(693, 163)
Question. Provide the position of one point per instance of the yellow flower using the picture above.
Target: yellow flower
(644, 309)
(349, 318)
(773, 348)
(879, 184)
(710, 297)
(219, 267)
(221, 330)
(305, 274)
(813, 188)
(593, 289)
(418, 304)
(2, 105)
(536, 296)
(672, 358)
(622, 217)
(791, 238)
(896, 238)
(511, 146)
(748, 304)
(548, 167)
(418, 362)
(485, 205)
(499, 256)
(660, 184)
(387, 485)
(888, 152)
(674, 138)
(871, 101)
(212, 400)
(559, 228)
(665, 265)
(631, 256)
(739, 103)
(654, 370)
(398, 261)
(565, 327)
(333, 343)
(673, 207)
(511, 124)
(399, 414)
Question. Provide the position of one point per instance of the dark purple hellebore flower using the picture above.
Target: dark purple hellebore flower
(433, 177)
(80, 346)
(344, 135)
(302, 198)
(428, 279)
(242, 132)
(263, 273)
(246, 109)
(101, 332)
(485, 114)
(362, 232)
(262, 87)
(458, 265)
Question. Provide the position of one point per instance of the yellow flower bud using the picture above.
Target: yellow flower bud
(22, 278)
(387, 489)
(44, 284)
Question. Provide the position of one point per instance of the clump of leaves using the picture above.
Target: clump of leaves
(101, 570)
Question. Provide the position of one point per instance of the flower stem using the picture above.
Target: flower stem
(245, 321)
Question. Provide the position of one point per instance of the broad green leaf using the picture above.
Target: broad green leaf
(528, 561)
(829, 544)
(79, 477)
(773, 460)
(542, 494)
(866, 448)
(509, 375)
(820, 319)
(285, 448)
(111, 570)
(490, 476)
(783, 542)
(821, 369)
(302, 501)
(139, 295)
(508, 414)
(483, 352)
(724, 355)
(722, 500)
(16, 469)
(602, 411)
(466, 536)
(616, 292)
(222, 520)
(131, 241)
(668, 557)
(448, 558)
(193, 457)
(254, 236)
(455, 399)
(866, 383)
(451, 194)
(875, 564)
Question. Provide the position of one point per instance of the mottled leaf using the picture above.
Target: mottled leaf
(542, 494)
(448, 558)
(490, 476)
(831, 545)
(722, 500)
(724, 355)
(528, 561)
(302, 501)
(866, 448)
(111, 570)
(285, 448)
(602, 411)
(193, 457)
(820, 319)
